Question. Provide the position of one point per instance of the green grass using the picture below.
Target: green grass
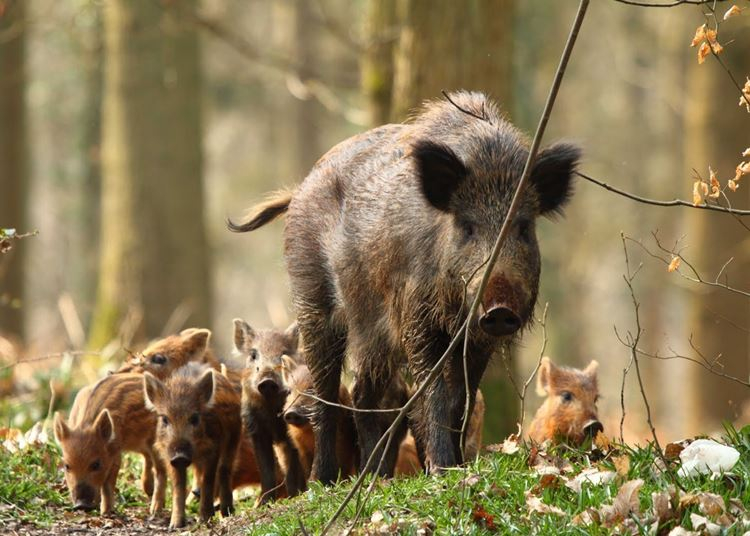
(486, 497)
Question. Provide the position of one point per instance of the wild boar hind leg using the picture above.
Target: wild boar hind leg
(324, 353)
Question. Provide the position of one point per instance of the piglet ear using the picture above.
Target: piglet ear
(552, 176)
(104, 426)
(206, 388)
(243, 334)
(440, 172)
(61, 428)
(196, 341)
(543, 377)
(591, 368)
(153, 390)
(292, 334)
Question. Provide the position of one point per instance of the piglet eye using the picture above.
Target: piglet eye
(253, 354)
(67, 467)
(164, 420)
(567, 396)
(96, 465)
(159, 359)
(194, 418)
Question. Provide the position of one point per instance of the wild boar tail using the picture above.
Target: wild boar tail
(262, 213)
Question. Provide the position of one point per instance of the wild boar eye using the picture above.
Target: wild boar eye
(164, 420)
(67, 467)
(567, 396)
(96, 465)
(159, 359)
(253, 354)
(194, 418)
(468, 229)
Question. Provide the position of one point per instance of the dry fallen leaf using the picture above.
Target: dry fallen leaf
(470, 481)
(674, 264)
(602, 442)
(592, 476)
(672, 450)
(703, 52)
(535, 505)
(701, 523)
(622, 464)
(679, 531)
(732, 11)
(709, 504)
(663, 510)
(700, 35)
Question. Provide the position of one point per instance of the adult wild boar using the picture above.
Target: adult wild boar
(384, 242)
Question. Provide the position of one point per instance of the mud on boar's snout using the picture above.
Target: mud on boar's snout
(592, 427)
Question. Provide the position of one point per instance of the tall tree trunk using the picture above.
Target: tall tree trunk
(377, 62)
(13, 162)
(154, 257)
(719, 321)
(448, 45)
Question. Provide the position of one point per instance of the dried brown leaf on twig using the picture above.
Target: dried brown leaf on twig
(700, 35)
(732, 11)
(674, 264)
(703, 52)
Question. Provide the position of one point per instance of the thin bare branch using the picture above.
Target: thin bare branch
(673, 3)
(660, 203)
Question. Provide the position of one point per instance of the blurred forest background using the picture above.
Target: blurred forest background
(130, 129)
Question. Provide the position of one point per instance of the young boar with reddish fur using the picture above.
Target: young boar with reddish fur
(198, 424)
(264, 393)
(298, 413)
(108, 418)
(384, 244)
(163, 356)
(569, 413)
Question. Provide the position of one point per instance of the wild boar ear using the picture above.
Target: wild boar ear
(292, 334)
(206, 388)
(552, 176)
(543, 377)
(196, 340)
(440, 172)
(61, 428)
(288, 365)
(591, 368)
(243, 334)
(104, 426)
(153, 390)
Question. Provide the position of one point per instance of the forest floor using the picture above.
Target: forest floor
(511, 488)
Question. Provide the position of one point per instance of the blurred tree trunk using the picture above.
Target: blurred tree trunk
(154, 255)
(88, 207)
(13, 162)
(448, 45)
(296, 114)
(717, 133)
(377, 61)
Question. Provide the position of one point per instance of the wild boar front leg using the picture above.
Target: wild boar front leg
(160, 484)
(263, 446)
(295, 475)
(208, 486)
(108, 490)
(179, 489)
(147, 476)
